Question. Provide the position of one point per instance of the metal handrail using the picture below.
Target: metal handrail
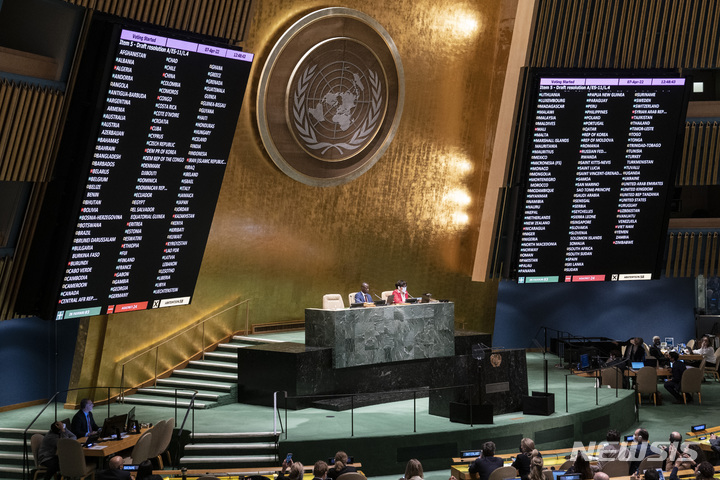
(276, 408)
(184, 331)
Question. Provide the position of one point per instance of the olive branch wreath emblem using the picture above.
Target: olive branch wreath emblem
(307, 133)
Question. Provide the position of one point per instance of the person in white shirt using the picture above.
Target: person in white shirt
(706, 351)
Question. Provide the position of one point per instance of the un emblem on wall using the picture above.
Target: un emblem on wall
(330, 97)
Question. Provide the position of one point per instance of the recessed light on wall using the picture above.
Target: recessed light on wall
(698, 87)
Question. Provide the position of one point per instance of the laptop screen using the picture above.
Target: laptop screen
(557, 473)
(584, 361)
(637, 365)
(572, 476)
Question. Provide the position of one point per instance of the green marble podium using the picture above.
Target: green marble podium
(374, 335)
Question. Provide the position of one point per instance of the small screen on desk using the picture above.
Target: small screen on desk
(698, 428)
(629, 438)
(133, 468)
(637, 365)
(557, 473)
(572, 476)
(469, 453)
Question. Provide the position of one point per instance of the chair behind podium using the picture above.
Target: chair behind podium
(351, 298)
(333, 301)
(387, 293)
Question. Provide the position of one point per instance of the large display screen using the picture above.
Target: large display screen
(597, 170)
(154, 158)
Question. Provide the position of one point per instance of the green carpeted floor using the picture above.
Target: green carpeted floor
(405, 419)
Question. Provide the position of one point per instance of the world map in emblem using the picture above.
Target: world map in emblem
(337, 99)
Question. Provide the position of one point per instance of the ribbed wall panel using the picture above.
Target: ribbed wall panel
(28, 122)
(701, 155)
(627, 34)
(692, 253)
(218, 18)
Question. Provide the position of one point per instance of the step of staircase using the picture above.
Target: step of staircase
(214, 377)
(194, 384)
(225, 356)
(163, 401)
(206, 374)
(228, 450)
(12, 451)
(229, 446)
(211, 365)
(228, 461)
(163, 392)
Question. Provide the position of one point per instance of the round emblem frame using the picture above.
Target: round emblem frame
(330, 97)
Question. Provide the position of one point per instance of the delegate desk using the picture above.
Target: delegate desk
(551, 459)
(107, 448)
(240, 473)
(393, 333)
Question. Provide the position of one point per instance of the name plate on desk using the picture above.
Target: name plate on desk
(395, 333)
(497, 387)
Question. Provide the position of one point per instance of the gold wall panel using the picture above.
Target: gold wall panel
(218, 18)
(413, 216)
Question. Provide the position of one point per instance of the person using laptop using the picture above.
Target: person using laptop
(83, 424)
(673, 385)
(487, 463)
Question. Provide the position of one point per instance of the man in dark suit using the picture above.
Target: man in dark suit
(640, 450)
(114, 471)
(83, 423)
(484, 465)
(673, 385)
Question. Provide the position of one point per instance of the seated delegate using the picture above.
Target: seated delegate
(400, 294)
(363, 296)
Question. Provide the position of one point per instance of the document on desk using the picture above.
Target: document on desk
(97, 447)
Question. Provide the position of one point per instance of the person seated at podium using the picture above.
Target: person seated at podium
(363, 296)
(487, 463)
(400, 294)
(83, 424)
